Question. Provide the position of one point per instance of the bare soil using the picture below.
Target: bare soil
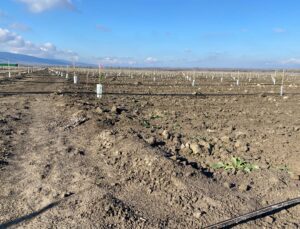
(142, 155)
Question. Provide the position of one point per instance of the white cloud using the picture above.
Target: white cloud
(6, 35)
(126, 61)
(38, 6)
(151, 60)
(279, 30)
(291, 61)
(12, 42)
(116, 61)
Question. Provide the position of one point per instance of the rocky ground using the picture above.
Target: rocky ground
(139, 159)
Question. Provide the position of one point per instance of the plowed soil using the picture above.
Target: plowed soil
(142, 156)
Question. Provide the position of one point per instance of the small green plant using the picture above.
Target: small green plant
(146, 123)
(236, 164)
(155, 117)
(101, 77)
(157, 127)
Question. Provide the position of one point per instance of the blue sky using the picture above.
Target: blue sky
(173, 33)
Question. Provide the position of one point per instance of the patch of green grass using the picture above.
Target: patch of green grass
(236, 164)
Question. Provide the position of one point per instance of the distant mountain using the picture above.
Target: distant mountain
(32, 60)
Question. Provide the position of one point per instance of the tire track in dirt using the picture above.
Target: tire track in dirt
(49, 168)
(36, 154)
(18, 176)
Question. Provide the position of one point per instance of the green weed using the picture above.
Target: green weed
(145, 123)
(236, 164)
(155, 117)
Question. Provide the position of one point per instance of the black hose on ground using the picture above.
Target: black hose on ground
(272, 209)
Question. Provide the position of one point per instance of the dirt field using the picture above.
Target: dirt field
(151, 153)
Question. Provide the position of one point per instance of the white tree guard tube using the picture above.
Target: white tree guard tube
(99, 90)
(281, 90)
(75, 79)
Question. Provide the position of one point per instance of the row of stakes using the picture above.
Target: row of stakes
(234, 78)
(28, 71)
(238, 82)
(99, 87)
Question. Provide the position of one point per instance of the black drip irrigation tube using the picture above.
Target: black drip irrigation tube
(269, 210)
